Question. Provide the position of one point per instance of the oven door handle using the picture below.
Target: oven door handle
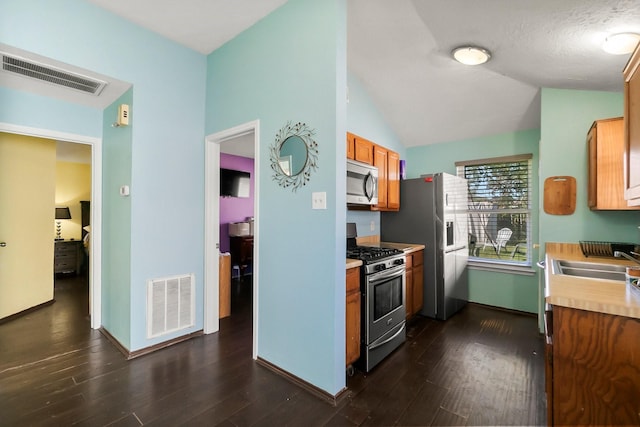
(388, 339)
(386, 274)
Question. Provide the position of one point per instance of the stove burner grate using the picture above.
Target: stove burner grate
(369, 254)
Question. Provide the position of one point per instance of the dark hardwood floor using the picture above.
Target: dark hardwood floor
(481, 367)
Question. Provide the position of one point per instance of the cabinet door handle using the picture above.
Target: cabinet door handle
(3, 244)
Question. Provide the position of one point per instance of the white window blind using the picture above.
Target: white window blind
(499, 209)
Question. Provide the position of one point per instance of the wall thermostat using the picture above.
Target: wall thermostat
(123, 115)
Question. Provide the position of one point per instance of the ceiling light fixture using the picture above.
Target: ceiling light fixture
(471, 55)
(621, 43)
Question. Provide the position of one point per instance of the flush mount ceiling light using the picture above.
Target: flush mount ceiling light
(621, 43)
(471, 55)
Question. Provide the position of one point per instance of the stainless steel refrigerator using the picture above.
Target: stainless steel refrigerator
(433, 212)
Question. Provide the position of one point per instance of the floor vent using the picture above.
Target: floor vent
(170, 304)
(35, 70)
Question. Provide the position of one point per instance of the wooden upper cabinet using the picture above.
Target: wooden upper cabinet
(380, 161)
(393, 180)
(605, 142)
(363, 150)
(388, 164)
(351, 146)
(632, 129)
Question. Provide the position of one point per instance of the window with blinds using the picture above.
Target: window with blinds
(499, 209)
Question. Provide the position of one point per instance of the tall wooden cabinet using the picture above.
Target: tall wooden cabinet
(352, 320)
(605, 142)
(631, 75)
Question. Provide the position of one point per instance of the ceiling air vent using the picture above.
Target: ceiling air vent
(47, 73)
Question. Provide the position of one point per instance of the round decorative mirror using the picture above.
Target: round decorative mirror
(294, 155)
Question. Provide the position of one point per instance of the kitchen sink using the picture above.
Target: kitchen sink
(593, 270)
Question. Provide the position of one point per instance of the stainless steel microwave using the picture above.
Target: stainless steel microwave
(362, 183)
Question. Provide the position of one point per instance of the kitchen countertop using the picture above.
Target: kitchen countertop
(602, 296)
(407, 248)
(353, 263)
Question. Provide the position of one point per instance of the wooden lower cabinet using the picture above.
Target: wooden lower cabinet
(352, 319)
(414, 281)
(594, 369)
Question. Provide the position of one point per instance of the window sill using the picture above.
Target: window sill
(524, 270)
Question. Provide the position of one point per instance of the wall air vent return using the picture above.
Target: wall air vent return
(170, 304)
(50, 74)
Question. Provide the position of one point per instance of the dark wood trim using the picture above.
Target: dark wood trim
(143, 351)
(318, 392)
(27, 311)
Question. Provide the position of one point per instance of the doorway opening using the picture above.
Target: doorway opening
(73, 224)
(94, 261)
(236, 148)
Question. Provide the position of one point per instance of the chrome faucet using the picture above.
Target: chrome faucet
(619, 254)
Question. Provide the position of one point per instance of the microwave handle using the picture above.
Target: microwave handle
(369, 186)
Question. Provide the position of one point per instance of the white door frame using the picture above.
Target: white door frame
(212, 225)
(95, 260)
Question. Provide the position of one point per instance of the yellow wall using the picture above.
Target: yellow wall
(73, 184)
(27, 191)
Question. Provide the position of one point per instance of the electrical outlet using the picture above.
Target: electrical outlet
(372, 226)
(319, 200)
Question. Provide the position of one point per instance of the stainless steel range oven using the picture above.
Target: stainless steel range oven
(383, 313)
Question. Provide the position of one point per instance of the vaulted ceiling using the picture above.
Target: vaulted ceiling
(400, 51)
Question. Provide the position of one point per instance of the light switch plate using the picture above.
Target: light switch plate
(319, 200)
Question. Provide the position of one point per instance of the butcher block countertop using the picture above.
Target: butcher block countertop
(602, 296)
(353, 263)
(406, 247)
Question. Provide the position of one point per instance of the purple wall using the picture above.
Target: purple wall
(234, 209)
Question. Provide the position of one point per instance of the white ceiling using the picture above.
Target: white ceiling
(400, 51)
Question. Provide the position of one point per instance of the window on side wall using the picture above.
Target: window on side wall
(499, 211)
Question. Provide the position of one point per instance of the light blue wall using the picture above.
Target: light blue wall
(507, 290)
(566, 118)
(31, 110)
(167, 181)
(364, 119)
(291, 66)
(116, 223)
